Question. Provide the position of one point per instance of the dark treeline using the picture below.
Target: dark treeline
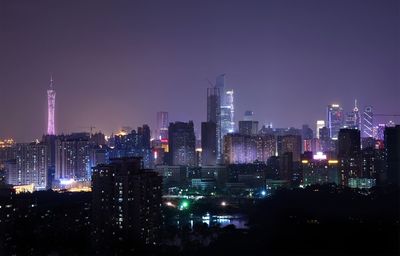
(320, 220)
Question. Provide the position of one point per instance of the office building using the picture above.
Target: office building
(349, 155)
(320, 124)
(290, 143)
(320, 171)
(368, 122)
(392, 147)
(220, 110)
(227, 106)
(353, 119)
(240, 149)
(214, 115)
(162, 126)
(133, 144)
(182, 143)
(248, 127)
(208, 143)
(265, 147)
(334, 120)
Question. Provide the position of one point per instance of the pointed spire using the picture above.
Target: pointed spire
(51, 81)
(355, 105)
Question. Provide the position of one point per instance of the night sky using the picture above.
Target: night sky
(117, 63)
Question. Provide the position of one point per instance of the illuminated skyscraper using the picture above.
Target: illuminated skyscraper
(353, 120)
(334, 119)
(320, 124)
(51, 105)
(162, 126)
(214, 115)
(220, 110)
(227, 107)
(368, 122)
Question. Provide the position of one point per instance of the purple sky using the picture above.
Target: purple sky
(117, 63)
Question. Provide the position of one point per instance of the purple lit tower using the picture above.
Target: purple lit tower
(51, 105)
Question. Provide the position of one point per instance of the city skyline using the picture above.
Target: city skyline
(140, 62)
(201, 127)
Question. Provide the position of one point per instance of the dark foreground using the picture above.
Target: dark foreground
(318, 220)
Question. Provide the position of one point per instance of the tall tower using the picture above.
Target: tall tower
(357, 118)
(51, 105)
(368, 122)
(162, 125)
(334, 120)
(220, 110)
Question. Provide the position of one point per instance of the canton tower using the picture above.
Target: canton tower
(51, 105)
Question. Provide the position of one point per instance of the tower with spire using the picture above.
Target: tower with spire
(51, 105)
(357, 118)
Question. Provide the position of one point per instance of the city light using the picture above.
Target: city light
(170, 204)
(66, 182)
(319, 156)
(184, 205)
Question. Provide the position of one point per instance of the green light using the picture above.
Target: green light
(184, 205)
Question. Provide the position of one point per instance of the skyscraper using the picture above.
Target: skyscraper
(162, 126)
(182, 143)
(208, 143)
(220, 110)
(392, 146)
(51, 105)
(227, 106)
(349, 155)
(368, 122)
(248, 115)
(214, 115)
(320, 124)
(334, 119)
(248, 127)
(353, 120)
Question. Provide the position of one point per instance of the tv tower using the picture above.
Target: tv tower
(51, 105)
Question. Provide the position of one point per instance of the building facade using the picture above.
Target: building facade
(182, 143)
(334, 120)
(30, 166)
(126, 204)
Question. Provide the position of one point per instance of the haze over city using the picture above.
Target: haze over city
(117, 64)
